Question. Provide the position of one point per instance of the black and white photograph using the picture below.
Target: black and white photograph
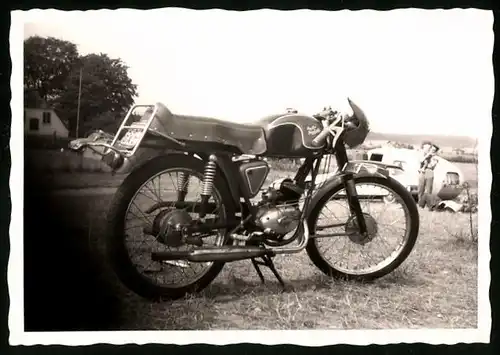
(276, 177)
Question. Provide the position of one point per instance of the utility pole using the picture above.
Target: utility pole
(78, 109)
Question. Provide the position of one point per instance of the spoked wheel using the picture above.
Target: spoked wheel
(389, 198)
(133, 230)
(392, 230)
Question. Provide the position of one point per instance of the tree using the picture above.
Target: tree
(47, 64)
(52, 69)
(106, 95)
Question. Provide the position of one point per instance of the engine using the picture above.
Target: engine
(279, 210)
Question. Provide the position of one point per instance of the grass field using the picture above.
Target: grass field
(435, 287)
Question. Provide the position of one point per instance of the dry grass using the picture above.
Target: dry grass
(55, 161)
(435, 287)
(63, 180)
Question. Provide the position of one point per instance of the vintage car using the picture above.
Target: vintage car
(448, 178)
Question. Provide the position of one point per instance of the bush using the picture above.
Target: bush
(467, 238)
(48, 160)
(469, 199)
(401, 145)
(46, 142)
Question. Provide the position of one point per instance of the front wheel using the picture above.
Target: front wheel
(392, 230)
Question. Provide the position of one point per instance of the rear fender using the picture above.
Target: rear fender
(141, 157)
(224, 167)
(146, 153)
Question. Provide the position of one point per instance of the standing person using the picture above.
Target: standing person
(429, 164)
(424, 150)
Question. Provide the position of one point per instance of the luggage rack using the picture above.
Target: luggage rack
(125, 145)
(129, 148)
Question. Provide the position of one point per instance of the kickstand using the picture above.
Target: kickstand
(268, 262)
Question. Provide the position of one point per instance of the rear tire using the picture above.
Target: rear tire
(319, 261)
(115, 237)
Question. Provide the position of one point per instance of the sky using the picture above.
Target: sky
(412, 71)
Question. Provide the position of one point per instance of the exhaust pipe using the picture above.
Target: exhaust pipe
(225, 254)
(229, 253)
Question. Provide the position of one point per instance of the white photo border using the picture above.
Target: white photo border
(302, 337)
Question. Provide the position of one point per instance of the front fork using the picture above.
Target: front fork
(353, 200)
(350, 187)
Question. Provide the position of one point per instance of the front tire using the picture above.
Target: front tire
(401, 195)
(120, 258)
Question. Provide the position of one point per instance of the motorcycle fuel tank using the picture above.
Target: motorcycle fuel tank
(291, 135)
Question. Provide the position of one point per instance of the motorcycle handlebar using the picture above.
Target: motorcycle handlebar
(325, 116)
(348, 121)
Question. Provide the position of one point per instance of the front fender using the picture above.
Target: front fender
(368, 166)
(358, 168)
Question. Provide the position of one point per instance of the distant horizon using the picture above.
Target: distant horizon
(423, 134)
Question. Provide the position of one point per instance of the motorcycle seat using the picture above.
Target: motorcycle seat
(247, 138)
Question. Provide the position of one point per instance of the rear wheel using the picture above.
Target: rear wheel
(392, 230)
(129, 248)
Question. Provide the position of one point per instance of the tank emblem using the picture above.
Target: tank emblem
(313, 130)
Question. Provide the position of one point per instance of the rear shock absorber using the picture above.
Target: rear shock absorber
(183, 184)
(208, 184)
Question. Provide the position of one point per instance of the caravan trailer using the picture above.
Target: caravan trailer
(448, 178)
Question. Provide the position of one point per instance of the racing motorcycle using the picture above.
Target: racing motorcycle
(199, 200)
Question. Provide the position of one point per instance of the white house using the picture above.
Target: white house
(43, 121)
(40, 118)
